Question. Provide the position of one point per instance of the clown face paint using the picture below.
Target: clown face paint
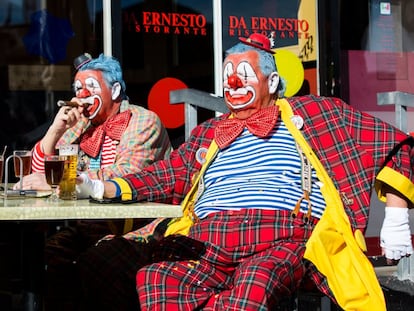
(246, 89)
(90, 86)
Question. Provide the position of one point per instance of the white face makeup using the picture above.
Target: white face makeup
(246, 89)
(238, 83)
(91, 88)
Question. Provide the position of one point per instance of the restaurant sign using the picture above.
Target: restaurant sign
(275, 27)
(166, 23)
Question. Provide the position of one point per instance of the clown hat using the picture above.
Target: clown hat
(259, 41)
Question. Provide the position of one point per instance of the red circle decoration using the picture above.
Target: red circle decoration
(172, 116)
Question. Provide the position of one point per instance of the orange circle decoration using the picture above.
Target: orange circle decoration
(290, 67)
(172, 116)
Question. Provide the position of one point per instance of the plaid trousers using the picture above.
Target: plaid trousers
(253, 259)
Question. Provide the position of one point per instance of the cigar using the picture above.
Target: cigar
(62, 103)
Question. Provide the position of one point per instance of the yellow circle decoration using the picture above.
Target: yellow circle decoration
(290, 68)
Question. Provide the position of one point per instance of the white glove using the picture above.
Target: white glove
(395, 233)
(89, 187)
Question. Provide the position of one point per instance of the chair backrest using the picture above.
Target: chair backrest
(193, 99)
(401, 100)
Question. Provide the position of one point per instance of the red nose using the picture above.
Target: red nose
(235, 82)
(84, 93)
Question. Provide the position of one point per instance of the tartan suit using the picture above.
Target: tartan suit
(351, 147)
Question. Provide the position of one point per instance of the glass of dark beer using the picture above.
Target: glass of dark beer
(54, 167)
(22, 162)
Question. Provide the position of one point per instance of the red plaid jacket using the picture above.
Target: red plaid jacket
(351, 145)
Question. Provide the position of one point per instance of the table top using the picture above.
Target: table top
(28, 208)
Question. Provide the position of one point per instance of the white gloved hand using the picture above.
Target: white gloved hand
(395, 233)
(89, 187)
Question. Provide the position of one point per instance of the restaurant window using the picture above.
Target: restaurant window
(377, 56)
(291, 26)
(162, 45)
(38, 41)
(167, 45)
(164, 42)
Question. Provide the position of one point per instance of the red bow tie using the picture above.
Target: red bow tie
(114, 127)
(260, 124)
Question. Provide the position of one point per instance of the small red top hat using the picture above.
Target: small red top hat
(259, 41)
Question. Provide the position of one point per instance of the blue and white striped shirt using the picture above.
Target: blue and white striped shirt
(257, 173)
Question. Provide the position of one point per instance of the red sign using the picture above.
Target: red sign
(166, 23)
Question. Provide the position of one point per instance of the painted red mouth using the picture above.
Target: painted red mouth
(92, 107)
(238, 99)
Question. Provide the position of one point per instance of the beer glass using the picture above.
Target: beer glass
(54, 166)
(22, 160)
(67, 187)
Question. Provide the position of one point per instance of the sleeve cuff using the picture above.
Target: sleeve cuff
(396, 180)
(125, 189)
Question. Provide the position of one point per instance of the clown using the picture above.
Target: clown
(115, 138)
(281, 200)
(108, 129)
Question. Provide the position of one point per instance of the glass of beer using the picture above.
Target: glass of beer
(54, 166)
(22, 162)
(67, 187)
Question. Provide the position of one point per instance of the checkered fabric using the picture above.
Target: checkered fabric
(351, 146)
(144, 141)
(253, 258)
(259, 124)
(114, 127)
